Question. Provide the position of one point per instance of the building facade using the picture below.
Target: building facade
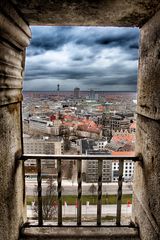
(76, 93)
(128, 169)
(45, 145)
(92, 171)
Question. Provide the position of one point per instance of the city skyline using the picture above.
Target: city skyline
(99, 58)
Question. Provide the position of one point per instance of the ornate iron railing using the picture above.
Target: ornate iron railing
(79, 159)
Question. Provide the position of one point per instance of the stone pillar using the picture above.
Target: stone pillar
(14, 38)
(146, 204)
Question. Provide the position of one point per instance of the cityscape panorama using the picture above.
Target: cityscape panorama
(79, 99)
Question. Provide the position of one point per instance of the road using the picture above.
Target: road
(89, 211)
(70, 188)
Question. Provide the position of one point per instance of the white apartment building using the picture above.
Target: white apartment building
(101, 144)
(128, 170)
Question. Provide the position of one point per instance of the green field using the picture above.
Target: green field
(71, 200)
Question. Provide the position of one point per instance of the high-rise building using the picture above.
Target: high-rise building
(76, 92)
(92, 94)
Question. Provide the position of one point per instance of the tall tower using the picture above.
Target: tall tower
(58, 89)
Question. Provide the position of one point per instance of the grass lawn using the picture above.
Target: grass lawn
(71, 200)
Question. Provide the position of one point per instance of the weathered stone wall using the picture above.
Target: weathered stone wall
(12, 199)
(82, 233)
(147, 175)
(14, 37)
(86, 12)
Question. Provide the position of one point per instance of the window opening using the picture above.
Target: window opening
(80, 99)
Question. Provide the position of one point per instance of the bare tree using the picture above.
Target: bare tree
(49, 206)
(92, 189)
(69, 170)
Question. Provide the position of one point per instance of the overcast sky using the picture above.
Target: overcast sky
(99, 58)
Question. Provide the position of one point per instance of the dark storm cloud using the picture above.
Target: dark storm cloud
(55, 37)
(49, 38)
(77, 58)
(125, 39)
(112, 81)
(63, 74)
(82, 56)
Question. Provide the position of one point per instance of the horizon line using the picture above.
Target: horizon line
(73, 91)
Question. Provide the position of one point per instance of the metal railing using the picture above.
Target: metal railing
(79, 159)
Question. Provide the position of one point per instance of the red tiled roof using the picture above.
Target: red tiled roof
(82, 124)
(88, 129)
(125, 138)
(133, 125)
(116, 153)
